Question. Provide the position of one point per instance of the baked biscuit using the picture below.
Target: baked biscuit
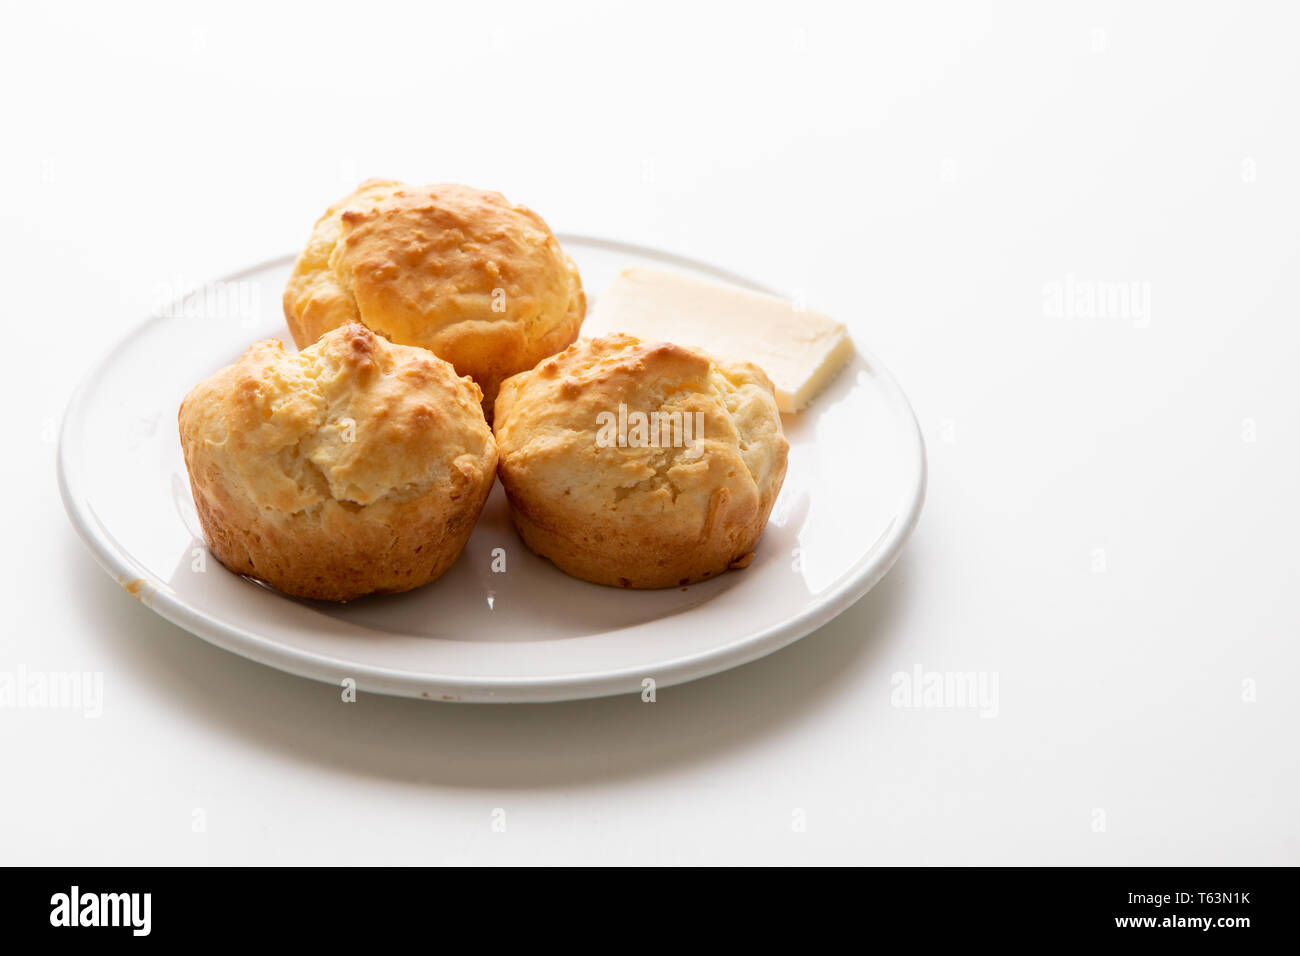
(475, 279)
(354, 466)
(642, 465)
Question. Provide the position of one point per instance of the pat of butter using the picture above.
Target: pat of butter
(800, 351)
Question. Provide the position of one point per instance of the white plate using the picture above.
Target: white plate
(852, 496)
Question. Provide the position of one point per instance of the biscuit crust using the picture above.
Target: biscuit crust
(474, 278)
(352, 467)
(633, 514)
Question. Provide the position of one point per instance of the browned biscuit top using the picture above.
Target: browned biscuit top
(352, 419)
(647, 435)
(480, 281)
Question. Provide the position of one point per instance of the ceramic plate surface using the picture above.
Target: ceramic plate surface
(852, 496)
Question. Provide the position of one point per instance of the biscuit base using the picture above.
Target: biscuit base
(618, 555)
(340, 551)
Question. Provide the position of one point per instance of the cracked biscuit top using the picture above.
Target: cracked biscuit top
(476, 279)
(655, 435)
(351, 421)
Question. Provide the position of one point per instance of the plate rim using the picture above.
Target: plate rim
(158, 597)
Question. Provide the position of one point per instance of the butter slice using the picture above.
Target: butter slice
(800, 351)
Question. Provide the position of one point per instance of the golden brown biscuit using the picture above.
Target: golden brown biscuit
(351, 467)
(640, 465)
(475, 279)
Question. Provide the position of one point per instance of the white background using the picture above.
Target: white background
(1101, 532)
